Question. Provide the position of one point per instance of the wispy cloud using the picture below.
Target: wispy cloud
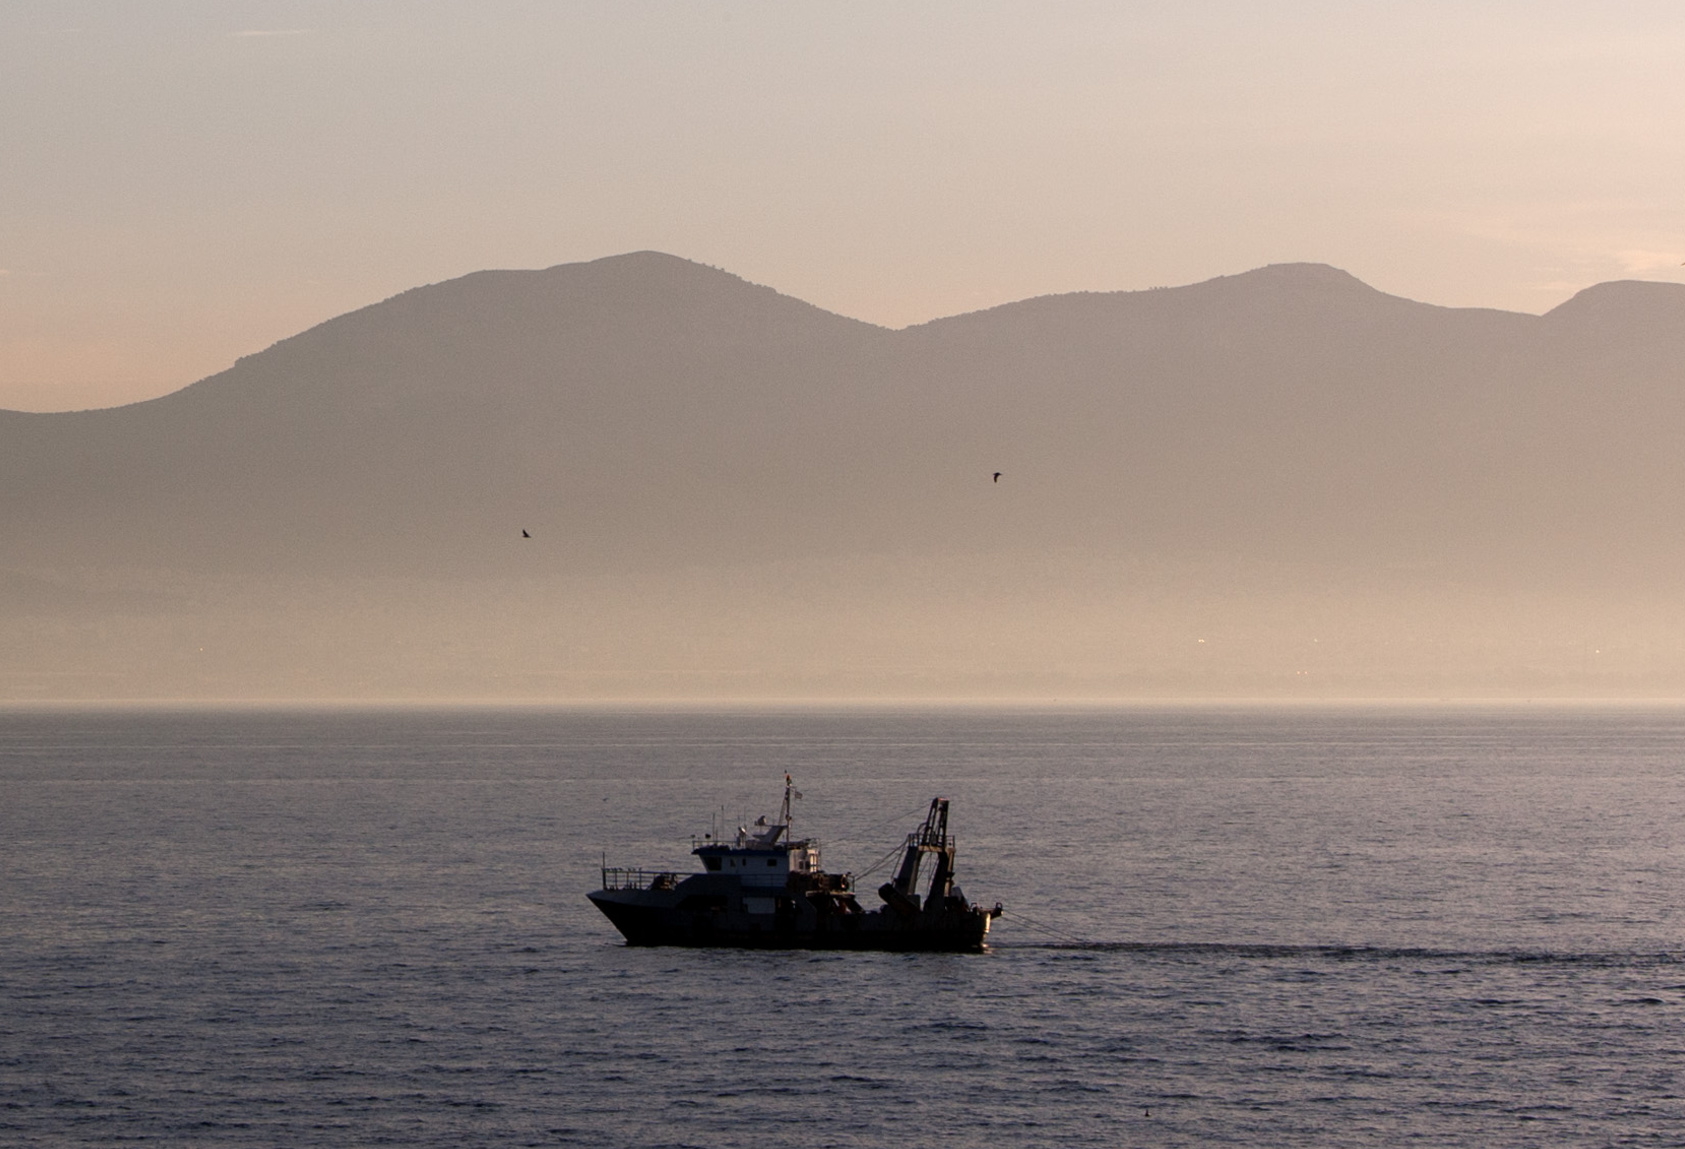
(1639, 262)
(1627, 237)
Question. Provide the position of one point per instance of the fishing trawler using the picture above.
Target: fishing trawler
(765, 889)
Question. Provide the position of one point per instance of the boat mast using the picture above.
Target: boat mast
(784, 815)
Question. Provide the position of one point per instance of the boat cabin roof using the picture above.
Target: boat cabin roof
(751, 851)
(760, 837)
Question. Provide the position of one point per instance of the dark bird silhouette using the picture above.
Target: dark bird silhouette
(524, 535)
(997, 476)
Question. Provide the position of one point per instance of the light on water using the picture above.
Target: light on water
(1249, 927)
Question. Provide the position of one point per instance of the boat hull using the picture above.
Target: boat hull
(646, 918)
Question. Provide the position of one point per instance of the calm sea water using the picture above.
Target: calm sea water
(1223, 927)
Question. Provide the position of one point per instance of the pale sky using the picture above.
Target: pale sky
(184, 183)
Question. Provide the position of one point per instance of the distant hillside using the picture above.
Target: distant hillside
(626, 405)
(643, 417)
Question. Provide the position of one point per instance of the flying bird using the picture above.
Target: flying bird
(524, 534)
(997, 476)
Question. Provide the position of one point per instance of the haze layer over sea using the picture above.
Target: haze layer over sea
(1223, 927)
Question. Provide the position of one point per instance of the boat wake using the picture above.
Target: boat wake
(1340, 953)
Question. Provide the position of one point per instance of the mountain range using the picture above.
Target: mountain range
(727, 492)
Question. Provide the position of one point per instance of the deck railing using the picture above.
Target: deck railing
(626, 878)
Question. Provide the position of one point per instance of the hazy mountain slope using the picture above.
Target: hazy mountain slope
(1294, 413)
(625, 404)
(1281, 481)
(649, 410)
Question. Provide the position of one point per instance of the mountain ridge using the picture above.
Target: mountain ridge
(649, 389)
(1666, 299)
(684, 447)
